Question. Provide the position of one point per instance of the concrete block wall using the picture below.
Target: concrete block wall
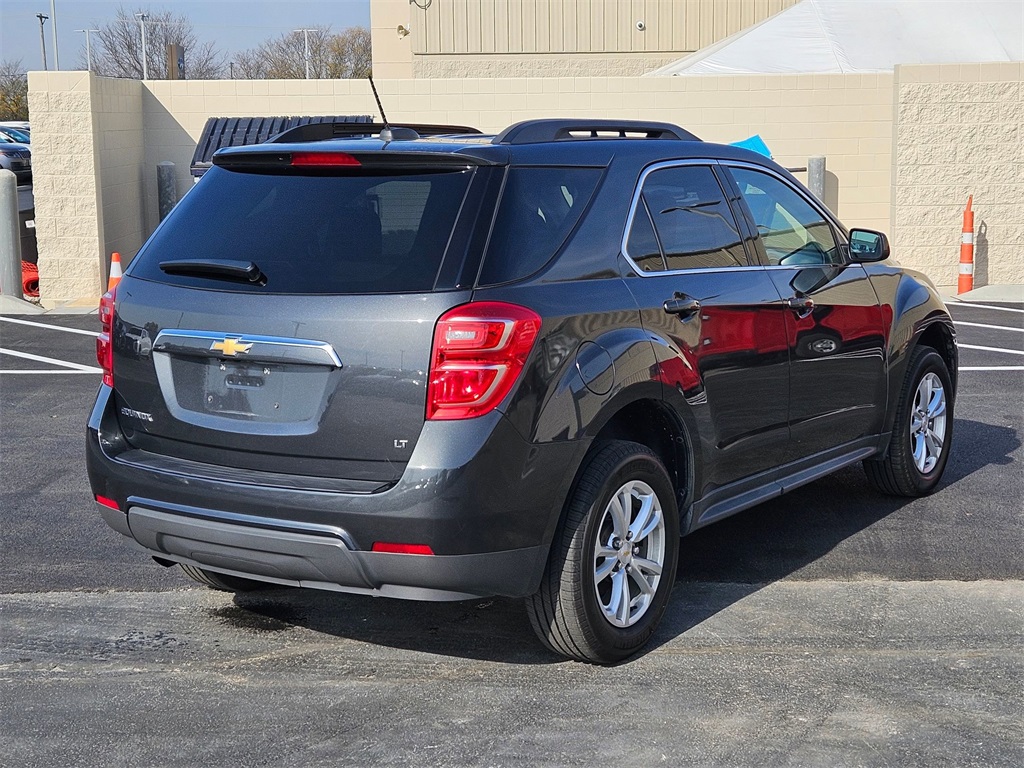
(960, 131)
(847, 118)
(117, 113)
(66, 150)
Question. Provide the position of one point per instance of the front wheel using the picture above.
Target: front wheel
(613, 560)
(922, 432)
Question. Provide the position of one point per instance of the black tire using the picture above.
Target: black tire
(897, 474)
(566, 612)
(223, 581)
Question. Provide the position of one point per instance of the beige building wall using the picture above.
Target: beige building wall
(66, 154)
(117, 115)
(551, 38)
(848, 118)
(959, 132)
(392, 50)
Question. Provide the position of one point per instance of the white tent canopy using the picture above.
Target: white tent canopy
(865, 36)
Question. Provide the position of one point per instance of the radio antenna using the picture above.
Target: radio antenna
(385, 135)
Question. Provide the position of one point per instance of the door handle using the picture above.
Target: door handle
(802, 305)
(681, 305)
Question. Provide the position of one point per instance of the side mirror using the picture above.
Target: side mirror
(868, 245)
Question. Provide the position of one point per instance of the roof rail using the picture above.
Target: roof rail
(322, 131)
(539, 131)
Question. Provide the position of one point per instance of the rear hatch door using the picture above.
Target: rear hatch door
(282, 321)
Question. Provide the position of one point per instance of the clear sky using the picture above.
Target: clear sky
(232, 25)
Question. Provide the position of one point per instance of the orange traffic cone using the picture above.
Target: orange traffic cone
(115, 271)
(965, 282)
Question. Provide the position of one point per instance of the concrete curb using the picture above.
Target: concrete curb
(11, 305)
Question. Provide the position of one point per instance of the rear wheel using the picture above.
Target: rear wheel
(613, 560)
(223, 581)
(922, 431)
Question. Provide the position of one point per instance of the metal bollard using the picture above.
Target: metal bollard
(816, 176)
(10, 236)
(166, 188)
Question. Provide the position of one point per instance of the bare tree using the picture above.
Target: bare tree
(13, 91)
(351, 54)
(117, 47)
(344, 54)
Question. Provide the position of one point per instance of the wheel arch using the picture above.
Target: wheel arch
(653, 423)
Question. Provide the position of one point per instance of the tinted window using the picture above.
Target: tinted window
(792, 231)
(538, 209)
(694, 223)
(642, 245)
(313, 234)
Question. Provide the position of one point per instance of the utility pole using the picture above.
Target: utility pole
(306, 33)
(42, 38)
(231, 69)
(142, 23)
(88, 46)
(53, 31)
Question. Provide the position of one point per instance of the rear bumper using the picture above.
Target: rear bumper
(485, 501)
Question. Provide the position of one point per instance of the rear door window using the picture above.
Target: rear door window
(695, 226)
(314, 234)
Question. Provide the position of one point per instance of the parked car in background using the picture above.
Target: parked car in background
(439, 365)
(21, 135)
(17, 157)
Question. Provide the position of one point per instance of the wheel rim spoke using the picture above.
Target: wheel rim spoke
(937, 405)
(604, 569)
(620, 518)
(919, 452)
(647, 566)
(641, 581)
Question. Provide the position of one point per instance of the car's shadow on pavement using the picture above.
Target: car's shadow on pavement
(810, 533)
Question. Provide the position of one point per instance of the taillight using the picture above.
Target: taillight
(104, 349)
(479, 351)
(319, 159)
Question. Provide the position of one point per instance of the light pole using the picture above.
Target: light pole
(53, 31)
(88, 46)
(306, 32)
(142, 23)
(231, 69)
(42, 38)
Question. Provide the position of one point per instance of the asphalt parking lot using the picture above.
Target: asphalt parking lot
(831, 627)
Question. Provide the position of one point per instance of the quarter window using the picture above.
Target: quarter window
(792, 231)
(694, 224)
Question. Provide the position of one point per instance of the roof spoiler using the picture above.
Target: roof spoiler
(406, 131)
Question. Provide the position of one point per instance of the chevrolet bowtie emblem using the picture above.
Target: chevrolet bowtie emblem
(231, 347)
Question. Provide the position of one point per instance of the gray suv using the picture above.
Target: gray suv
(437, 365)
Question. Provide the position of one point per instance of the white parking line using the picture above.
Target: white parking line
(63, 372)
(952, 304)
(991, 349)
(77, 367)
(991, 368)
(993, 327)
(51, 327)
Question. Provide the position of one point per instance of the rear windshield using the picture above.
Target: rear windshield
(313, 234)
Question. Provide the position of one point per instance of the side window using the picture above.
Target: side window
(642, 245)
(792, 230)
(694, 224)
(538, 209)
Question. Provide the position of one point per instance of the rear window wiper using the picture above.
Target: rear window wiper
(216, 269)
